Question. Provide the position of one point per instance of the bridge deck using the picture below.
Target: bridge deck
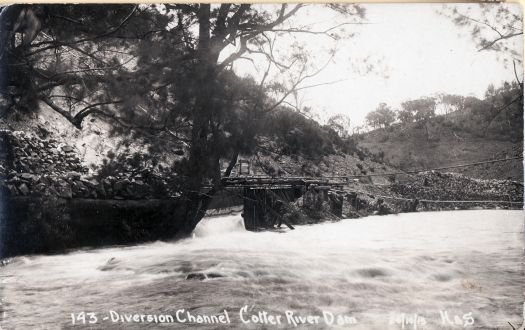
(260, 181)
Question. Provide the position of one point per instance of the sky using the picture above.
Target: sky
(413, 50)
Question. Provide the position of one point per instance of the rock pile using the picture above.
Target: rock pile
(454, 186)
(21, 152)
(30, 166)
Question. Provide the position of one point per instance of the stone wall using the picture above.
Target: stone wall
(45, 225)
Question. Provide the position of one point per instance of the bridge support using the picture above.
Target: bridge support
(264, 207)
(267, 199)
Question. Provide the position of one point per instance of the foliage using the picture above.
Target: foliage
(418, 110)
(450, 103)
(499, 115)
(496, 27)
(300, 135)
(383, 116)
(340, 123)
(493, 26)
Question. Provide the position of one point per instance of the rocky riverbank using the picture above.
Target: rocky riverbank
(454, 186)
(434, 191)
(427, 191)
(52, 201)
(36, 167)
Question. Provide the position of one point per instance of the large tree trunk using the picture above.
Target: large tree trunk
(204, 157)
(231, 165)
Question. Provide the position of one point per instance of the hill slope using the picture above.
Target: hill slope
(408, 147)
(294, 146)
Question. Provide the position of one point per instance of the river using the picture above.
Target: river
(377, 272)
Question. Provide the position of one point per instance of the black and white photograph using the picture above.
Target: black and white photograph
(261, 166)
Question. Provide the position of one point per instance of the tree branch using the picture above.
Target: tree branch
(301, 78)
(493, 42)
(105, 34)
(91, 108)
(516, 74)
(279, 20)
(234, 56)
(227, 35)
(481, 22)
(61, 111)
(93, 69)
(323, 32)
(220, 25)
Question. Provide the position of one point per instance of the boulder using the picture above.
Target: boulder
(137, 189)
(39, 189)
(67, 149)
(107, 185)
(64, 189)
(12, 190)
(120, 187)
(196, 276)
(96, 187)
(24, 190)
(51, 191)
(73, 175)
(79, 189)
(28, 177)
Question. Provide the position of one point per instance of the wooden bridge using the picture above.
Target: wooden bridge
(289, 181)
(267, 199)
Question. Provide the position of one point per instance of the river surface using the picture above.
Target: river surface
(370, 273)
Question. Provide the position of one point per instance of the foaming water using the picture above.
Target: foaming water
(460, 262)
(219, 225)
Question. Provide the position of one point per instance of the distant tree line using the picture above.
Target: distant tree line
(500, 112)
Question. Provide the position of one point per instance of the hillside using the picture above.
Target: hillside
(294, 146)
(408, 147)
(73, 181)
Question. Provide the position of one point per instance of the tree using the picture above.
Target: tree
(161, 73)
(498, 115)
(496, 27)
(340, 123)
(383, 116)
(405, 116)
(450, 103)
(506, 100)
(248, 28)
(420, 111)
